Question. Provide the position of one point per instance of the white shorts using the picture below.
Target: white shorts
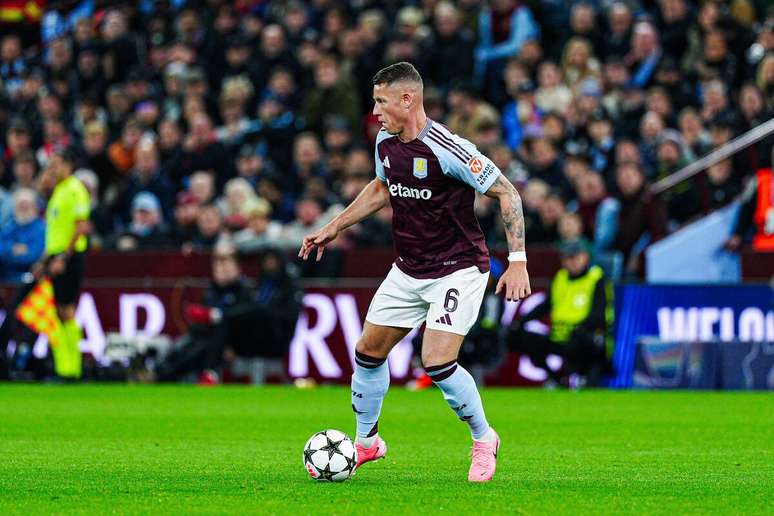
(450, 303)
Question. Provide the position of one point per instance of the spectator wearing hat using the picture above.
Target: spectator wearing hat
(578, 305)
(146, 230)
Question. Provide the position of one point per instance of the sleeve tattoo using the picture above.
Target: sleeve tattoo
(511, 211)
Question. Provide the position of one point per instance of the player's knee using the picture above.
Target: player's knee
(434, 358)
(371, 347)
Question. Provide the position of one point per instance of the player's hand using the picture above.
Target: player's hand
(57, 265)
(515, 282)
(318, 239)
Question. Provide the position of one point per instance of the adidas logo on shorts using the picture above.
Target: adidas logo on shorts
(444, 319)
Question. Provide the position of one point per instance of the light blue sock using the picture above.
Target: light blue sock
(460, 392)
(369, 387)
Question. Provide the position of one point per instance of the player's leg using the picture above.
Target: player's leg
(371, 378)
(395, 310)
(439, 356)
(455, 302)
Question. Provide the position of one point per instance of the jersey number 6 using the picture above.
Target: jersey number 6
(450, 303)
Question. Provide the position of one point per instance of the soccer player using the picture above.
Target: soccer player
(67, 227)
(430, 176)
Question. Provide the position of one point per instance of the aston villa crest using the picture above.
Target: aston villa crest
(420, 168)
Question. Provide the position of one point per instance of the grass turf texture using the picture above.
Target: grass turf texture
(180, 449)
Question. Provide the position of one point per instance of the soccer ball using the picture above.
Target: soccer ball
(330, 456)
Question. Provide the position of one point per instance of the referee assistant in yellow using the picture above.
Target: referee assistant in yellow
(67, 227)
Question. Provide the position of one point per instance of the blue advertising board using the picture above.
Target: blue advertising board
(742, 313)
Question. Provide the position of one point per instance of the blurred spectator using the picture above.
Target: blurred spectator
(201, 151)
(642, 218)
(618, 37)
(552, 94)
(280, 96)
(18, 140)
(6, 207)
(100, 216)
(239, 198)
(95, 156)
(186, 215)
(598, 211)
(645, 55)
(716, 187)
(122, 151)
(310, 217)
(147, 176)
(146, 229)
(209, 223)
(260, 232)
(24, 170)
(333, 94)
(503, 28)
(450, 49)
(201, 186)
(21, 239)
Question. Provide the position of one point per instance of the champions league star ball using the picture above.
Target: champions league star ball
(330, 456)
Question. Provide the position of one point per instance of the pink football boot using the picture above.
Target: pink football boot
(377, 451)
(484, 460)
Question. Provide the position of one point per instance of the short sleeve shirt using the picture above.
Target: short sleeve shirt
(68, 205)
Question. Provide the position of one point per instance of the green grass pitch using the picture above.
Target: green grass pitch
(237, 450)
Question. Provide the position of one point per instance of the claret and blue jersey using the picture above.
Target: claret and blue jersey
(432, 182)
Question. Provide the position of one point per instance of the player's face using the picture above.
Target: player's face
(390, 107)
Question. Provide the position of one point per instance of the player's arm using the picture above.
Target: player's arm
(373, 198)
(515, 280)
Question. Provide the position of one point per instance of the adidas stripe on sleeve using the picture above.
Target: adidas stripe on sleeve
(460, 159)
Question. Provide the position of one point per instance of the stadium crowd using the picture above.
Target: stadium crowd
(195, 119)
